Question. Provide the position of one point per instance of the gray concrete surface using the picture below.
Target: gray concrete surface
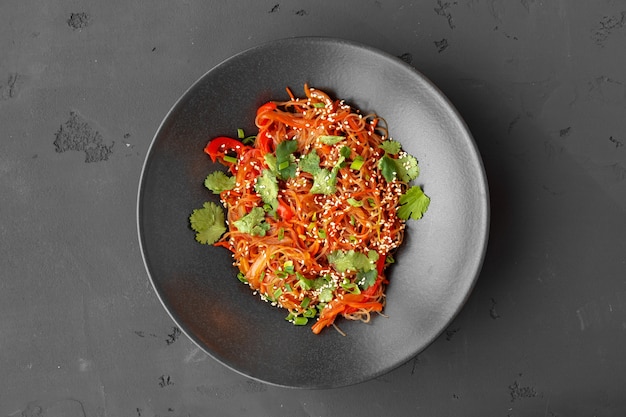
(83, 88)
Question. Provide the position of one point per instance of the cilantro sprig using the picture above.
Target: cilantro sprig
(413, 203)
(253, 223)
(208, 223)
(324, 179)
(363, 264)
(218, 181)
(267, 187)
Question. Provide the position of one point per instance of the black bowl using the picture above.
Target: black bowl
(436, 266)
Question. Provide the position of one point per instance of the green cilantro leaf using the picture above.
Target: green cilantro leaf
(218, 181)
(390, 146)
(387, 166)
(310, 162)
(366, 279)
(253, 223)
(285, 161)
(351, 261)
(285, 148)
(208, 223)
(267, 187)
(326, 295)
(330, 139)
(404, 167)
(324, 182)
(407, 167)
(413, 204)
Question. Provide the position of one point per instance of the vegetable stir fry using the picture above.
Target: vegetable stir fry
(316, 204)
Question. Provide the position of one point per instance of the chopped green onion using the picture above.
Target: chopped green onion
(229, 158)
(319, 105)
(310, 313)
(305, 302)
(300, 321)
(351, 287)
(241, 277)
(249, 140)
(357, 163)
(354, 202)
(321, 233)
(281, 233)
(240, 134)
(282, 165)
(290, 317)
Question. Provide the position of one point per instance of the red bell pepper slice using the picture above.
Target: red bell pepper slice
(269, 106)
(265, 142)
(221, 145)
(284, 211)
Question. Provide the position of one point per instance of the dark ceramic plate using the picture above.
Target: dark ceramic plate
(436, 267)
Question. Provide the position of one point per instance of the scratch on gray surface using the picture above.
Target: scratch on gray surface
(552, 149)
(173, 336)
(527, 4)
(618, 143)
(441, 45)
(76, 134)
(165, 381)
(492, 310)
(442, 10)
(416, 361)
(607, 90)
(517, 391)
(513, 123)
(78, 21)
(406, 57)
(608, 174)
(10, 88)
(196, 355)
(450, 333)
(63, 408)
(607, 25)
(602, 312)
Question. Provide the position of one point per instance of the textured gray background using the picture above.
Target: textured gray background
(83, 88)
